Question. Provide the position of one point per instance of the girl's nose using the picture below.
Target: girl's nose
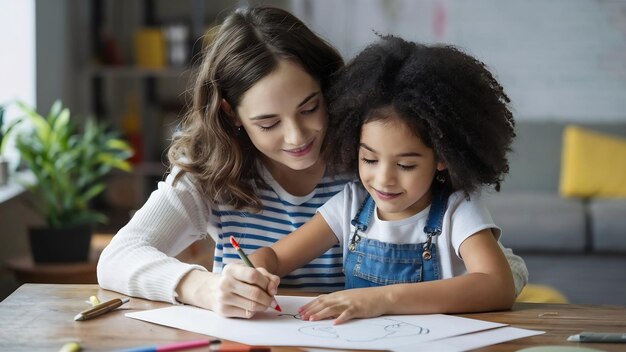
(386, 175)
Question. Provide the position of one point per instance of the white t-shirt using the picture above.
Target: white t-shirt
(462, 219)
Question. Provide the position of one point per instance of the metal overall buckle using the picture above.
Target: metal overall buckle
(426, 247)
(355, 239)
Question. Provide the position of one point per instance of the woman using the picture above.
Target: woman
(246, 162)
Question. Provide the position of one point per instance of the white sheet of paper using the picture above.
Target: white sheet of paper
(272, 328)
(471, 341)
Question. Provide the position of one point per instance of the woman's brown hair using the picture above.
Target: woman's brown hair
(248, 46)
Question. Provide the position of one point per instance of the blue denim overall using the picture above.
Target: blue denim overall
(372, 263)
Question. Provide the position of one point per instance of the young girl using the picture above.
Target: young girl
(426, 128)
(246, 163)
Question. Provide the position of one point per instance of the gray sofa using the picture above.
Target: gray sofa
(577, 246)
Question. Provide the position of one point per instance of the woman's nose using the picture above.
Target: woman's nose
(294, 133)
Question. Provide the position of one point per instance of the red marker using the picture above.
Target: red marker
(245, 259)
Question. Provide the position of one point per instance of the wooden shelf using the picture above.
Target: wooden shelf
(26, 270)
(116, 87)
(150, 169)
(138, 72)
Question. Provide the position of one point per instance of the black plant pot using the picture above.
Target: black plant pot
(60, 245)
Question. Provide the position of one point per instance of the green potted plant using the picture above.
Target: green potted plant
(69, 167)
(4, 136)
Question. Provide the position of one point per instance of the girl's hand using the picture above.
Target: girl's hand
(345, 305)
(240, 291)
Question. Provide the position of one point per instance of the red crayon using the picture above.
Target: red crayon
(245, 259)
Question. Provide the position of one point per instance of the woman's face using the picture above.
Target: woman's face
(285, 117)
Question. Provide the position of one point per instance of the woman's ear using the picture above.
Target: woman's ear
(230, 112)
(441, 166)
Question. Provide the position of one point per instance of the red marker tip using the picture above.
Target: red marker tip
(245, 259)
(234, 242)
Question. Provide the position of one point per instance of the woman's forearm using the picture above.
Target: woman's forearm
(238, 291)
(140, 259)
(131, 265)
(198, 288)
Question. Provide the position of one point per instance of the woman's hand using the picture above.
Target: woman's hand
(239, 291)
(346, 305)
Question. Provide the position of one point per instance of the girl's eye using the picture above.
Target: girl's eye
(267, 128)
(368, 161)
(309, 111)
(406, 167)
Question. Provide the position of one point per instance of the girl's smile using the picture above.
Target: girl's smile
(386, 195)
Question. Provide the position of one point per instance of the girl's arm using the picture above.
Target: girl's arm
(297, 249)
(487, 286)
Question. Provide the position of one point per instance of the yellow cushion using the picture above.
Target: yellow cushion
(592, 164)
(540, 294)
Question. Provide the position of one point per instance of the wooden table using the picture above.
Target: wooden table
(40, 317)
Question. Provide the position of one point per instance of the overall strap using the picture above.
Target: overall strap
(362, 220)
(434, 222)
(438, 207)
(363, 217)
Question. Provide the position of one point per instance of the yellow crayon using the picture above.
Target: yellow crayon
(94, 301)
(70, 347)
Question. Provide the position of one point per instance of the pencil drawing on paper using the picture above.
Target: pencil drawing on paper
(369, 330)
(295, 316)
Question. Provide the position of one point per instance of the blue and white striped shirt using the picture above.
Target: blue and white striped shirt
(281, 214)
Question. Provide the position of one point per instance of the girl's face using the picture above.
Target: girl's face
(285, 117)
(396, 168)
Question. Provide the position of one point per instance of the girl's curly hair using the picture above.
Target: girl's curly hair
(448, 98)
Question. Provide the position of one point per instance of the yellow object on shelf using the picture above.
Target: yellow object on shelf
(150, 48)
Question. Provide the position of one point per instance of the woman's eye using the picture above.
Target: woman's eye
(267, 128)
(406, 167)
(309, 111)
(368, 161)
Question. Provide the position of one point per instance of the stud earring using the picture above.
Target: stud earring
(440, 177)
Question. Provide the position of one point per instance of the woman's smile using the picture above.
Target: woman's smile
(300, 151)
